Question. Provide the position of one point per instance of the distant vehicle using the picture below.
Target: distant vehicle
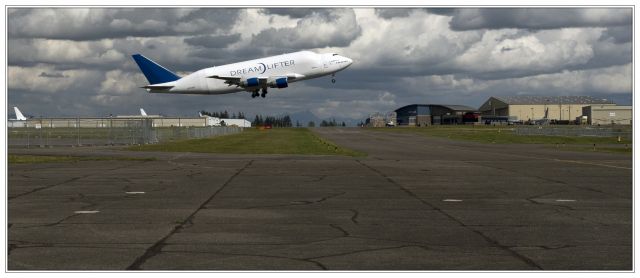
(471, 117)
(254, 76)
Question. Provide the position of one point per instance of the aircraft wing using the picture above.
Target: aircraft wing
(226, 78)
(237, 80)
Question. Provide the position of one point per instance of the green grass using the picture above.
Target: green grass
(499, 135)
(255, 141)
(15, 159)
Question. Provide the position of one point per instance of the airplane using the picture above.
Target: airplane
(254, 76)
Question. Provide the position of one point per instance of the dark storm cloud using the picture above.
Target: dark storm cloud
(388, 13)
(619, 34)
(100, 23)
(53, 75)
(441, 11)
(298, 12)
(538, 18)
(211, 41)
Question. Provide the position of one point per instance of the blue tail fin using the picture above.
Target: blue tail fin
(155, 73)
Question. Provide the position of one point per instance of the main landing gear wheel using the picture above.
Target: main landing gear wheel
(254, 94)
(264, 93)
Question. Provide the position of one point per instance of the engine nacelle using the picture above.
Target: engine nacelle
(250, 82)
(278, 82)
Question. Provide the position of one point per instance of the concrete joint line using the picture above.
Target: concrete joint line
(486, 238)
(156, 248)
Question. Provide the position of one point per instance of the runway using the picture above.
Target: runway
(414, 203)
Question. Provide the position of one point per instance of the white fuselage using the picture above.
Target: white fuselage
(296, 66)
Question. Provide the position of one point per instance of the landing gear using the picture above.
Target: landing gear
(255, 93)
(264, 93)
(333, 80)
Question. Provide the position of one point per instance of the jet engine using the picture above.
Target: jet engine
(250, 82)
(278, 82)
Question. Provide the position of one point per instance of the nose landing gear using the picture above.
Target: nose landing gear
(333, 80)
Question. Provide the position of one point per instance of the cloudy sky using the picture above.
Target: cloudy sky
(68, 62)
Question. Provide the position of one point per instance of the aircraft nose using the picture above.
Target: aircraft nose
(349, 61)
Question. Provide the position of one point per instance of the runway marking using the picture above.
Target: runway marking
(135, 192)
(594, 164)
(565, 200)
(86, 211)
(452, 200)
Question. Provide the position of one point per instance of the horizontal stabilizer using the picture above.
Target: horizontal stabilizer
(157, 87)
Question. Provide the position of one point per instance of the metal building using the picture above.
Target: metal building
(529, 108)
(608, 114)
(431, 114)
(236, 122)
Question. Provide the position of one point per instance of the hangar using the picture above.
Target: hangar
(528, 108)
(431, 114)
(608, 114)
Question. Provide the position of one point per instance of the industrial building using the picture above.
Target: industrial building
(431, 114)
(134, 121)
(608, 114)
(531, 108)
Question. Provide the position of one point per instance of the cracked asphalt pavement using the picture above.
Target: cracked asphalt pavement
(414, 203)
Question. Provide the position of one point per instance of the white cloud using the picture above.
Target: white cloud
(549, 50)
(121, 83)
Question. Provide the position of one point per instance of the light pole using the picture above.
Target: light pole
(532, 113)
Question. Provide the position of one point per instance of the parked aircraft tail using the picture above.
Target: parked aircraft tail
(143, 113)
(19, 115)
(154, 73)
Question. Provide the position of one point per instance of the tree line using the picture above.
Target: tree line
(280, 121)
(274, 121)
(224, 114)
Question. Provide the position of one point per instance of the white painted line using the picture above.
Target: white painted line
(565, 200)
(86, 211)
(135, 192)
(451, 200)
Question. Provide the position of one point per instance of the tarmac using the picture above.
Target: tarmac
(414, 203)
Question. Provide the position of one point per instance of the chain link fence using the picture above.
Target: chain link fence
(101, 132)
(594, 131)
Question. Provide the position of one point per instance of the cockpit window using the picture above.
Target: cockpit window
(335, 54)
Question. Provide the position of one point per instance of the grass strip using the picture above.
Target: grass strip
(256, 141)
